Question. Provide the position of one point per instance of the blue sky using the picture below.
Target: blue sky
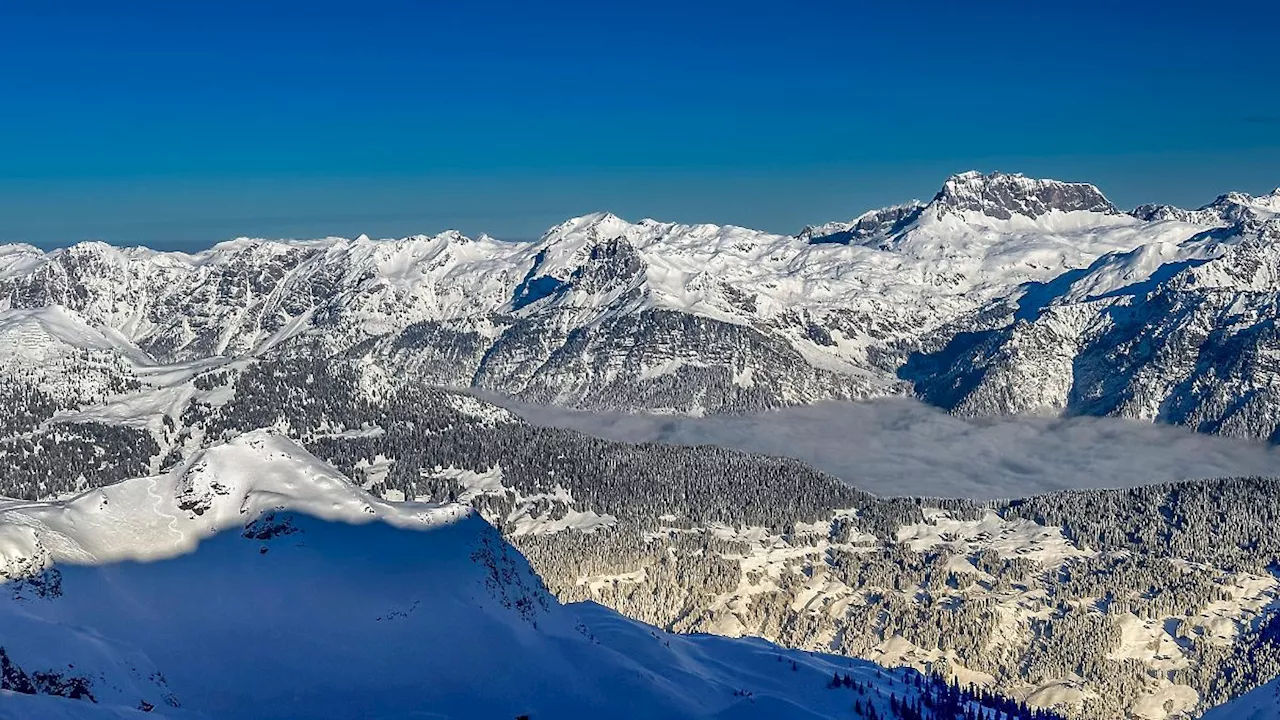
(180, 124)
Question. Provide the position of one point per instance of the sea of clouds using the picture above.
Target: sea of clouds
(898, 446)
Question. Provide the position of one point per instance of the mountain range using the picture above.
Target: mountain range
(191, 434)
(1002, 294)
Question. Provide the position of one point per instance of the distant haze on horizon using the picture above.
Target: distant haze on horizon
(179, 126)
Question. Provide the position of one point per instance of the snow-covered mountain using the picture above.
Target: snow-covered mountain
(257, 581)
(1180, 332)
(1227, 209)
(604, 313)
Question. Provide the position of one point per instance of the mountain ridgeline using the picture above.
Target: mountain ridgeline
(336, 376)
(1003, 294)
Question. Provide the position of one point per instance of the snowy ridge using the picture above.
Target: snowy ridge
(51, 353)
(167, 515)
(1226, 209)
(871, 225)
(41, 334)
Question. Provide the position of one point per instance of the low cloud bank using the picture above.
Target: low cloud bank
(898, 446)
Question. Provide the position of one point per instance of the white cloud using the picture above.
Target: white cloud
(898, 446)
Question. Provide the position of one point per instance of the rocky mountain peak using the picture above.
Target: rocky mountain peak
(1234, 201)
(869, 227)
(1001, 196)
(595, 226)
(1229, 209)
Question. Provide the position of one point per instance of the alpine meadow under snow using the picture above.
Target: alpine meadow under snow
(1012, 437)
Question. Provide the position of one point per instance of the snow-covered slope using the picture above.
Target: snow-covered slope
(56, 352)
(1260, 704)
(257, 581)
(167, 515)
(1180, 332)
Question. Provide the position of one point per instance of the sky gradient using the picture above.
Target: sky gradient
(181, 124)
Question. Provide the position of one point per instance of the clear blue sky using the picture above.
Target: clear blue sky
(179, 124)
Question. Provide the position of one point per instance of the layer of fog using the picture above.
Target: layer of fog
(898, 446)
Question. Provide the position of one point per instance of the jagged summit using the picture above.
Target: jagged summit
(1230, 208)
(1001, 196)
(870, 225)
(972, 195)
(599, 225)
(1269, 202)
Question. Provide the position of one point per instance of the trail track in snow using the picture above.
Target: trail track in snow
(157, 499)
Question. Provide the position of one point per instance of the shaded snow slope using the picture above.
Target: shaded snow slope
(1260, 704)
